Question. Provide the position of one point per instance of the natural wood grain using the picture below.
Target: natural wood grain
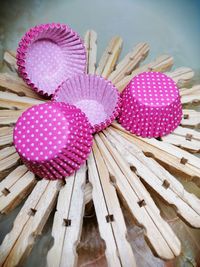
(160, 180)
(17, 85)
(13, 101)
(8, 158)
(130, 62)
(68, 220)
(182, 131)
(182, 76)
(109, 57)
(109, 215)
(12, 178)
(190, 95)
(185, 138)
(191, 118)
(6, 136)
(7, 151)
(161, 63)
(14, 194)
(140, 203)
(91, 50)
(192, 145)
(8, 117)
(167, 154)
(29, 223)
(10, 59)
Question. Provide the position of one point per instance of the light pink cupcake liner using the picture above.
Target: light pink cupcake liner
(96, 97)
(48, 54)
(53, 139)
(151, 105)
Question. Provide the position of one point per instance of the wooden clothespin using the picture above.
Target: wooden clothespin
(108, 211)
(159, 179)
(91, 49)
(109, 57)
(157, 231)
(68, 220)
(29, 223)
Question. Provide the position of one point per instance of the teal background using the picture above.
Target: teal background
(169, 26)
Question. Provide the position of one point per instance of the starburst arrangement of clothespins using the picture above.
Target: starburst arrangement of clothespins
(117, 167)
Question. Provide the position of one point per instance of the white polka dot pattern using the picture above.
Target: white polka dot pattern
(49, 54)
(98, 98)
(53, 139)
(151, 105)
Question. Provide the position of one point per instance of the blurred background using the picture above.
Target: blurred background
(169, 26)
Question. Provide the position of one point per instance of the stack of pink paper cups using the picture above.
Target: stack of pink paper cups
(53, 139)
(151, 105)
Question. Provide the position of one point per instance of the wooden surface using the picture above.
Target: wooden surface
(117, 168)
(160, 180)
(139, 202)
(29, 223)
(109, 215)
(68, 219)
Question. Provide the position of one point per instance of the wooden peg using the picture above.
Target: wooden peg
(187, 205)
(15, 187)
(8, 117)
(190, 95)
(161, 63)
(17, 85)
(91, 49)
(8, 158)
(29, 223)
(10, 101)
(68, 219)
(186, 141)
(10, 59)
(109, 57)
(166, 154)
(108, 211)
(6, 136)
(130, 62)
(133, 191)
(191, 118)
(182, 76)
(187, 133)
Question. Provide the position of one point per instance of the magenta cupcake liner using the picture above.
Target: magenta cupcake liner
(151, 105)
(53, 139)
(96, 97)
(48, 54)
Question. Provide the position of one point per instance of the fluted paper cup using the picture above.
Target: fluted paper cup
(48, 54)
(97, 97)
(151, 105)
(53, 139)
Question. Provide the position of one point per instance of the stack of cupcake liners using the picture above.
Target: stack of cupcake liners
(51, 59)
(53, 139)
(151, 108)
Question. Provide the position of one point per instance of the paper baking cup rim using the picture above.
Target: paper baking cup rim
(100, 126)
(28, 38)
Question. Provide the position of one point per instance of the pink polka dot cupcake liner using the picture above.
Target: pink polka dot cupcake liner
(151, 105)
(97, 97)
(48, 54)
(53, 139)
